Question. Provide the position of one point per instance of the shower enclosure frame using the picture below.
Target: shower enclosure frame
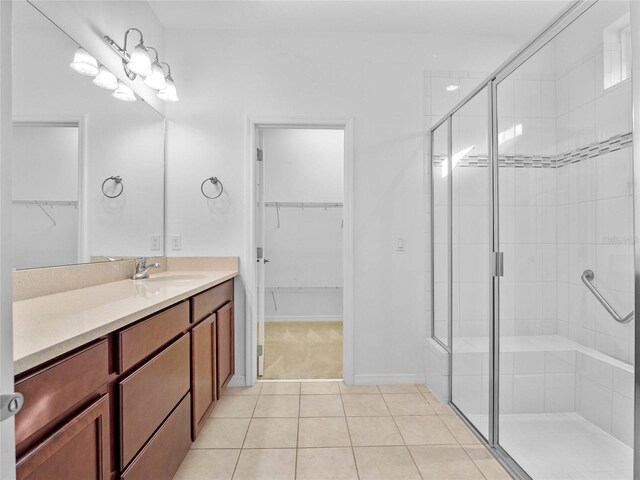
(564, 20)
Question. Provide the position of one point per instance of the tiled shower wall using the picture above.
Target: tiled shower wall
(565, 203)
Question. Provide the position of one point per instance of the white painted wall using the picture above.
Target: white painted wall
(375, 78)
(305, 246)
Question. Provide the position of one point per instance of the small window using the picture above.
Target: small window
(616, 43)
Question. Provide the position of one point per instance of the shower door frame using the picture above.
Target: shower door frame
(564, 20)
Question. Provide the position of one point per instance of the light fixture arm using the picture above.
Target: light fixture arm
(157, 59)
(123, 53)
(126, 36)
(162, 64)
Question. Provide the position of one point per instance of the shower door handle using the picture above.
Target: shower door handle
(497, 264)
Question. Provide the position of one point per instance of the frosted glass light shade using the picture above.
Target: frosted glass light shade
(169, 93)
(124, 93)
(84, 64)
(105, 79)
(156, 80)
(140, 61)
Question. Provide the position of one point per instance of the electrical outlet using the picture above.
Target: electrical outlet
(401, 244)
(155, 242)
(176, 242)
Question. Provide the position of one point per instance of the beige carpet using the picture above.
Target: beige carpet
(305, 349)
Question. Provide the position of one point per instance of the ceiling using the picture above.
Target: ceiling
(506, 17)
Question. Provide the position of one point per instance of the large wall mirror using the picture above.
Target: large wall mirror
(87, 168)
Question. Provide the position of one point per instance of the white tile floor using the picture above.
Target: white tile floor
(563, 446)
(327, 430)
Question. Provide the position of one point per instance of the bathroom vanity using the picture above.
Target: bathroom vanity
(126, 379)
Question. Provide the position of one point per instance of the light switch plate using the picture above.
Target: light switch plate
(176, 242)
(155, 242)
(401, 244)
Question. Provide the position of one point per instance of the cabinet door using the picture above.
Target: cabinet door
(203, 371)
(225, 353)
(79, 450)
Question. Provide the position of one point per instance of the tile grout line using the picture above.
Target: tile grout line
(346, 422)
(295, 470)
(402, 437)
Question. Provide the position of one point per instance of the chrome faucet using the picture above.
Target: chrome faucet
(142, 269)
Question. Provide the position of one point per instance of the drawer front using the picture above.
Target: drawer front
(162, 456)
(149, 394)
(205, 303)
(141, 340)
(80, 450)
(55, 390)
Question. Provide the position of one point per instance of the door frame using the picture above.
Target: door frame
(79, 122)
(7, 429)
(250, 271)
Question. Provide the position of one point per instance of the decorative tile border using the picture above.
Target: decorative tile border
(593, 150)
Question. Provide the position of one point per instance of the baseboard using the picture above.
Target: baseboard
(238, 381)
(388, 378)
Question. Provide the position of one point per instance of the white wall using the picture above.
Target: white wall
(375, 78)
(303, 165)
(305, 245)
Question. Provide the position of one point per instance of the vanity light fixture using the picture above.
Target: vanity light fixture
(105, 79)
(156, 80)
(124, 93)
(84, 63)
(139, 62)
(169, 92)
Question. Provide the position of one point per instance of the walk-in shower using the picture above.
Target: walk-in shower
(533, 251)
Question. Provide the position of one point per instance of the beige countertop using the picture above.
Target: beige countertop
(48, 326)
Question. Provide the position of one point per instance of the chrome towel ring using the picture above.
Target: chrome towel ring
(118, 180)
(214, 181)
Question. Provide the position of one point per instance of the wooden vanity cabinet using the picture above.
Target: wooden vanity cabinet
(127, 406)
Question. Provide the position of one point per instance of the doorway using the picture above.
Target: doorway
(300, 239)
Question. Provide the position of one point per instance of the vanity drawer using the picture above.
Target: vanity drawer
(162, 456)
(141, 340)
(55, 390)
(149, 394)
(207, 302)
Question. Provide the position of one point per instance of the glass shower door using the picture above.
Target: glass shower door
(565, 208)
(470, 274)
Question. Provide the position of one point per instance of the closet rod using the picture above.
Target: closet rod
(62, 203)
(301, 288)
(304, 204)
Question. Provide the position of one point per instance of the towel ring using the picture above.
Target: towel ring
(118, 180)
(214, 181)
